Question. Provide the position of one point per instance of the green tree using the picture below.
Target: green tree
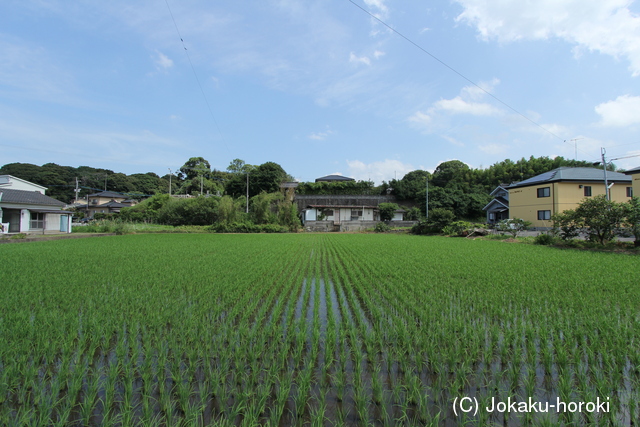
(195, 167)
(238, 166)
(387, 211)
(261, 207)
(600, 218)
(632, 218)
(227, 211)
(513, 226)
(450, 171)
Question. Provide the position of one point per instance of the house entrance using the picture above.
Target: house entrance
(11, 216)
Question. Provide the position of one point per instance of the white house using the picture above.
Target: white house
(24, 208)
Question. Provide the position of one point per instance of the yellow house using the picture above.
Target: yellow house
(635, 180)
(537, 199)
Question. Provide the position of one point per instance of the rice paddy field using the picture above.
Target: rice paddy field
(315, 330)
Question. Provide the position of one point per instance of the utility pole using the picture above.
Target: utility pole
(575, 143)
(170, 180)
(427, 207)
(606, 183)
(76, 190)
(247, 209)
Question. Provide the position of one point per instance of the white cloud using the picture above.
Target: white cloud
(377, 172)
(493, 149)
(320, 136)
(378, 54)
(465, 103)
(606, 26)
(382, 8)
(162, 61)
(623, 111)
(359, 59)
(420, 118)
(459, 106)
(453, 141)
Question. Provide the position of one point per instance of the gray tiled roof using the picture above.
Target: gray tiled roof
(28, 198)
(109, 194)
(334, 178)
(633, 171)
(572, 174)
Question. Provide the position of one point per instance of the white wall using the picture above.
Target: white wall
(8, 181)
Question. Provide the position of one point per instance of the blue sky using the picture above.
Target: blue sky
(318, 86)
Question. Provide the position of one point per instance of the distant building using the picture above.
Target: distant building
(498, 208)
(24, 208)
(334, 178)
(107, 202)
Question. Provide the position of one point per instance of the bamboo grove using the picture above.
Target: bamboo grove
(315, 329)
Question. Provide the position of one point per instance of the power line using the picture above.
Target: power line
(454, 70)
(196, 76)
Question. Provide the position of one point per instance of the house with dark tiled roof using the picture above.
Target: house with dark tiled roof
(344, 212)
(334, 178)
(538, 198)
(107, 202)
(498, 208)
(24, 208)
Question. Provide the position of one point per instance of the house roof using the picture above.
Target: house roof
(502, 187)
(498, 200)
(343, 206)
(572, 174)
(6, 180)
(109, 194)
(28, 198)
(112, 204)
(633, 171)
(331, 178)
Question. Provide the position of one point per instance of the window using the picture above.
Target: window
(587, 191)
(629, 191)
(37, 220)
(544, 215)
(544, 192)
(355, 214)
(492, 216)
(328, 212)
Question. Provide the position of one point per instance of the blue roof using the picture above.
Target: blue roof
(572, 174)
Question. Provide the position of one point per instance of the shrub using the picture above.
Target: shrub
(513, 226)
(247, 227)
(387, 211)
(438, 219)
(544, 239)
(413, 214)
(197, 211)
(381, 227)
(566, 224)
(458, 228)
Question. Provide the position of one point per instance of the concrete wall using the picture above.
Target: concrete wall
(304, 200)
(329, 226)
